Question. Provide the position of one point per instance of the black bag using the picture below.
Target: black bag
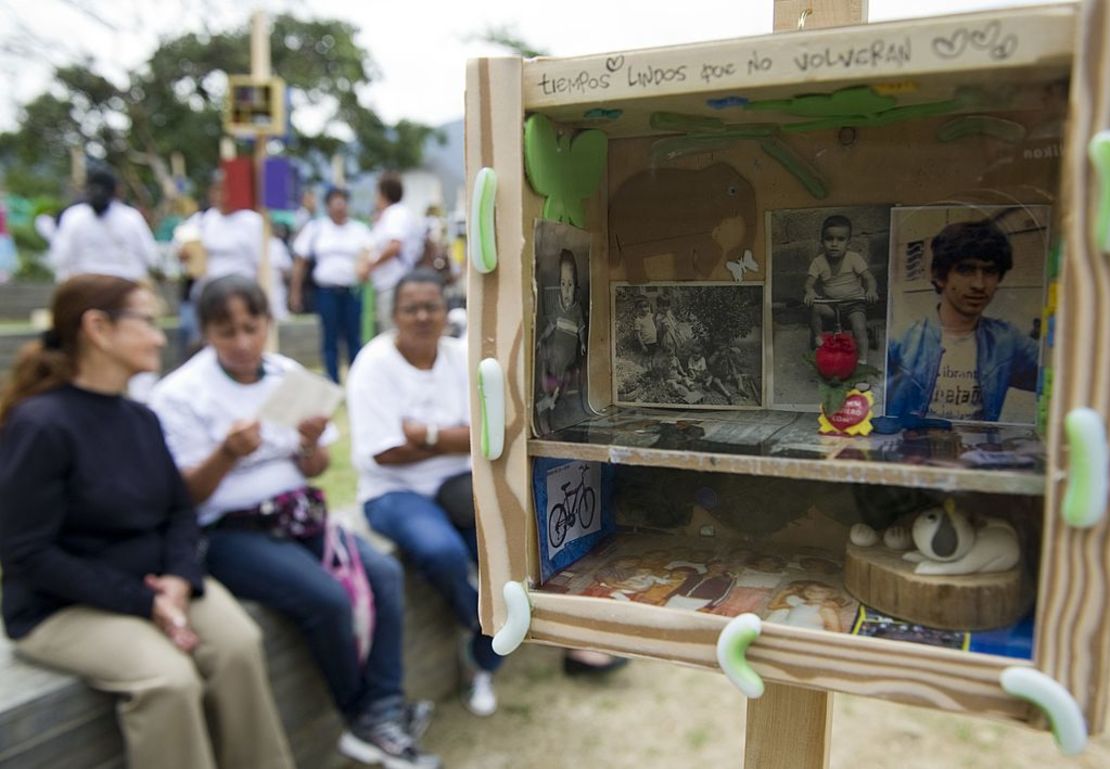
(308, 283)
(456, 497)
(308, 286)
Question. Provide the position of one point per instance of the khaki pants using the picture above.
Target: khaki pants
(164, 693)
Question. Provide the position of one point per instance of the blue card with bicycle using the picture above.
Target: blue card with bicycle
(574, 510)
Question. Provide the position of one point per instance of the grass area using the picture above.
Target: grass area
(340, 480)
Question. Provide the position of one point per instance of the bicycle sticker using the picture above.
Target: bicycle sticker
(573, 510)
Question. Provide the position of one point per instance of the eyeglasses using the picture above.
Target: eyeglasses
(412, 310)
(149, 320)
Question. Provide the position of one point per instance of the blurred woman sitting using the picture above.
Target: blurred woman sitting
(98, 544)
(266, 529)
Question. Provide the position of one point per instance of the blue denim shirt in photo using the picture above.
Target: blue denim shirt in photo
(1005, 358)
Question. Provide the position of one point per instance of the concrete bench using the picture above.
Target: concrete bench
(50, 720)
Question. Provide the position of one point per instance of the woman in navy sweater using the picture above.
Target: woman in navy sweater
(98, 545)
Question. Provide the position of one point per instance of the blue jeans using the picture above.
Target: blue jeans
(443, 554)
(340, 310)
(287, 576)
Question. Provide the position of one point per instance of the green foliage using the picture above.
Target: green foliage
(508, 38)
(175, 103)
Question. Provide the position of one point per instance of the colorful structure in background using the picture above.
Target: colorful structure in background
(9, 260)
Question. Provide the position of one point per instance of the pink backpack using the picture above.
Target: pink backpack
(341, 561)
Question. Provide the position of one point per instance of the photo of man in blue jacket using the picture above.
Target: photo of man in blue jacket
(956, 363)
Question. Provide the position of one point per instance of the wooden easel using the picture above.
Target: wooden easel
(789, 727)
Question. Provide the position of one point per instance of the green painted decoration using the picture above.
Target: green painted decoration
(565, 171)
(981, 125)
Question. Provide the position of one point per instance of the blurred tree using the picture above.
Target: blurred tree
(175, 103)
(508, 38)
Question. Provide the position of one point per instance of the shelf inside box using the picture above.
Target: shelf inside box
(798, 586)
(1000, 459)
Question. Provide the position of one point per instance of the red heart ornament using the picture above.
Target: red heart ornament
(854, 411)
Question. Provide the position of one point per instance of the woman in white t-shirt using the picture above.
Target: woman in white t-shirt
(248, 479)
(337, 243)
(408, 402)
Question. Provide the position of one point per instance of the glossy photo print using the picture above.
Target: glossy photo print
(828, 276)
(690, 345)
(967, 288)
(562, 326)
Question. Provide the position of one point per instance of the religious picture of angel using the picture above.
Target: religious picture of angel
(562, 326)
(691, 345)
(828, 276)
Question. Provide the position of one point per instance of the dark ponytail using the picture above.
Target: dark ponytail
(49, 362)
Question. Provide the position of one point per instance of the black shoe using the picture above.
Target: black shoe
(574, 667)
(386, 743)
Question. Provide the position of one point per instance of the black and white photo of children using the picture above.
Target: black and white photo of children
(692, 345)
(562, 326)
(828, 275)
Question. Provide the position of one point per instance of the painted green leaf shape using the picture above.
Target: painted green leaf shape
(801, 170)
(857, 100)
(676, 121)
(896, 115)
(565, 171)
(693, 144)
(981, 125)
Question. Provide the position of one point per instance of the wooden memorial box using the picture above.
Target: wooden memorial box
(660, 239)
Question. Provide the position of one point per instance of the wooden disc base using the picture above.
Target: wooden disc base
(882, 579)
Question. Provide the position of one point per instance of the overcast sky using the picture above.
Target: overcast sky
(420, 46)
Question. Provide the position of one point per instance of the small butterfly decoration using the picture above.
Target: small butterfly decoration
(565, 171)
(737, 267)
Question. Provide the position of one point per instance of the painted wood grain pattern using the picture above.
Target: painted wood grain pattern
(1073, 624)
(1041, 34)
(913, 674)
(840, 471)
(496, 304)
(818, 13)
(800, 719)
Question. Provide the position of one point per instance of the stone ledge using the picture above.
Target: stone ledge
(50, 719)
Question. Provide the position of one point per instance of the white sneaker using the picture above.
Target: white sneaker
(479, 698)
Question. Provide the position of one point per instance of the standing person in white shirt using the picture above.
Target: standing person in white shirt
(103, 236)
(398, 246)
(232, 243)
(337, 243)
(232, 240)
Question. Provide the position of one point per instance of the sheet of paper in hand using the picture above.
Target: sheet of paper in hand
(301, 395)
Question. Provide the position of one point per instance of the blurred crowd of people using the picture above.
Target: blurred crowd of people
(128, 530)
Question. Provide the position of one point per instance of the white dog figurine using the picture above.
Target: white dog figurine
(947, 543)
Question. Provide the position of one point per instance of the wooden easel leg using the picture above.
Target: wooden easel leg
(788, 728)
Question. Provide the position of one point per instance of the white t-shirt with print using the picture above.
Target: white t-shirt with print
(197, 404)
(383, 390)
(397, 223)
(956, 394)
(336, 248)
